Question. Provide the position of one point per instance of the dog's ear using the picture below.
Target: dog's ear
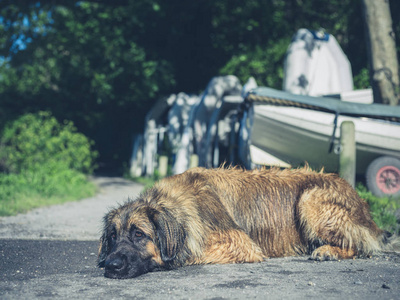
(103, 246)
(170, 234)
(103, 251)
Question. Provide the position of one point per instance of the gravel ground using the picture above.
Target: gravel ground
(51, 253)
(80, 220)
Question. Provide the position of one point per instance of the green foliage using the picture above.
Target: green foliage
(265, 65)
(84, 65)
(44, 163)
(383, 210)
(361, 80)
(102, 64)
(35, 141)
(53, 183)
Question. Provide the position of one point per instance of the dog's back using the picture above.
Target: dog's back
(296, 211)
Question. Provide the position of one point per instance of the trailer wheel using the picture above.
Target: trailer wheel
(383, 176)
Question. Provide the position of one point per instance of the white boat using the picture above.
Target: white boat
(283, 129)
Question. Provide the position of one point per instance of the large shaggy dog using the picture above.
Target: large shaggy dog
(235, 216)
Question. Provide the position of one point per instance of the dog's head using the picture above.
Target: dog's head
(138, 239)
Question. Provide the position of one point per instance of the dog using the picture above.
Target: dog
(220, 216)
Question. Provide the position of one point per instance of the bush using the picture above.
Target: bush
(35, 140)
(383, 210)
(43, 163)
(361, 80)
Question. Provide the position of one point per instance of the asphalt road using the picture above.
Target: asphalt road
(51, 253)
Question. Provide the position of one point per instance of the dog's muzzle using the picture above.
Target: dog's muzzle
(116, 267)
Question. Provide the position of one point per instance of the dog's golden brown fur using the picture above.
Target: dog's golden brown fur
(234, 216)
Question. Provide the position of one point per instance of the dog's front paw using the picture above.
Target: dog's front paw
(328, 252)
(325, 253)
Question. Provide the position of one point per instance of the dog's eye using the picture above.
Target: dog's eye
(138, 234)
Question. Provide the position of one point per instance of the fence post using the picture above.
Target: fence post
(163, 166)
(194, 161)
(347, 157)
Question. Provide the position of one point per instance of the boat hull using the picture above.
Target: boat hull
(297, 135)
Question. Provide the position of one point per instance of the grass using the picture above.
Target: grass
(148, 182)
(383, 210)
(25, 191)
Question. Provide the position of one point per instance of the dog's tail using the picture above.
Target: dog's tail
(391, 242)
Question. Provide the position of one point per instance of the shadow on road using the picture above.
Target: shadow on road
(26, 259)
(37, 269)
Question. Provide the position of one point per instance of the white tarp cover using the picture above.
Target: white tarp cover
(210, 121)
(154, 126)
(207, 110)
(315, 65)
(180, 119)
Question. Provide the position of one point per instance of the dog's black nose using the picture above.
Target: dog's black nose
(114, 264)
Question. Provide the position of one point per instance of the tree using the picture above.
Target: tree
(102, 64)
(381, 45)
(82, 63)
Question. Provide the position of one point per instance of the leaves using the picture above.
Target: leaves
(37, 140)
(103, 64)
(383, 210)
(43, 163)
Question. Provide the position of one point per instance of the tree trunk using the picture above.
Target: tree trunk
(381, 47)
